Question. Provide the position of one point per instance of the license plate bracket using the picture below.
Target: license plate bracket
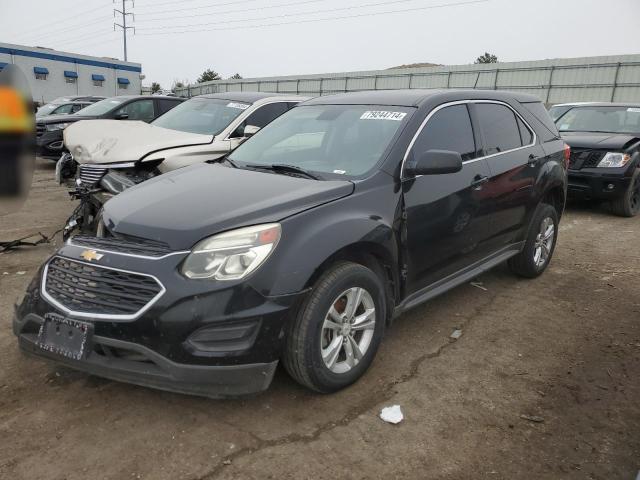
(65, 337)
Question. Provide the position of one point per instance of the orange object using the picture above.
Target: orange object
(14, 115)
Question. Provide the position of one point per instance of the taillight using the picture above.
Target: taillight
(567, 155)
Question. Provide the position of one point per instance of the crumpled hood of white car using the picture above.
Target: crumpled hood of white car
(109, 141)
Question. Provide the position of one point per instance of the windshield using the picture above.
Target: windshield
(337, 140)
(615, 119)
(207, 116)
(46, 109)
(101, 107)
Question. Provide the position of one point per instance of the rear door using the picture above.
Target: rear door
(514, 159)
(446, 227)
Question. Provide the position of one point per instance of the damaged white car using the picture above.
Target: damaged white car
(105, 157)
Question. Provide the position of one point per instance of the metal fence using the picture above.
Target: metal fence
(612, 78)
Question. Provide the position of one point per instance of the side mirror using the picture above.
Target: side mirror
(121, 116)
(250, 131)
(434, 162)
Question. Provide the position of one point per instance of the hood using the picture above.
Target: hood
(191, 203)
(109, 141)
(600, 141)
(61, 119)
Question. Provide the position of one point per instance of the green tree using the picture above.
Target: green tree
(235, 76)
(487, 58)
(177, 84)
(155, 87)
(208, 75)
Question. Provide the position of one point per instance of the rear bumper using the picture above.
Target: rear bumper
(134, 363)
(593, 184)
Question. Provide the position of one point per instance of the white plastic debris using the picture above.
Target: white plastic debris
(21, 272)
(480, 286)
(456, 334)
(392, 414)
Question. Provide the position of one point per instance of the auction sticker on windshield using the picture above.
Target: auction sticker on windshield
(383, 115)
(240, 106)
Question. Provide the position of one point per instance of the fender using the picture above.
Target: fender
(310, 239)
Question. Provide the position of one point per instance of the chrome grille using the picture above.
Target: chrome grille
(126, 245)
(95, 291)
(91, 174)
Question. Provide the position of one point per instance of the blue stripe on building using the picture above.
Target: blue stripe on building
(66, 58)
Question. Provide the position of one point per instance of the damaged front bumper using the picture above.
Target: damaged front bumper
(202, 338)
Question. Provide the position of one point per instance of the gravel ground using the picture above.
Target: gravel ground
(563, 350)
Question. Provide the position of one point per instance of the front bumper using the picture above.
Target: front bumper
(598, 183)
(197, 337)
(133, 363)
(50, 144)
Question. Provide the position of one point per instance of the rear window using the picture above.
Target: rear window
(499, 127)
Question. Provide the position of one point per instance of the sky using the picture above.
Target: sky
(178, 40)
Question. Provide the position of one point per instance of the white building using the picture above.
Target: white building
(53, 74)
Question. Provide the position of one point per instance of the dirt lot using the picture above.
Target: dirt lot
(565, 347)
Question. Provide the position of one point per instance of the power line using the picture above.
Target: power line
(197, 7)
(283, 15)
(324, 19)
(155, 4)
(242, 10)
(69, 29)
(65, 19)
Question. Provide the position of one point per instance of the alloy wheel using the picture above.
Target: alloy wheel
(347, 330)
(544, 242)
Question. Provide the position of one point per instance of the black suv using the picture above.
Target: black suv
(304, 243)
(49, 129)
(605, 152)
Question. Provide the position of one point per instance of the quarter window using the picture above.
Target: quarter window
(499, 128)
(448, 129)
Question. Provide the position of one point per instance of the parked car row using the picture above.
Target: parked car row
(243, 230)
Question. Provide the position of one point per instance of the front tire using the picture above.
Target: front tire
(539, 245)
(628, 205)
(337, 331)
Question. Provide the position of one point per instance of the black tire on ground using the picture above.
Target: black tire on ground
(628, 205)
(525, 263)
(302, 355)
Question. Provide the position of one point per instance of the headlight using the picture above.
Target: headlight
(614, 159)
(52, 127)
(232, 255)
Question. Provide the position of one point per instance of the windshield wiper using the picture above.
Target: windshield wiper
(283, 168)
(224, 158)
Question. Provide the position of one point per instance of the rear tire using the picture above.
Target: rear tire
(337, 331)
(539, 245)
(628, 205)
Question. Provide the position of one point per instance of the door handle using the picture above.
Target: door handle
(479, 181)
(533, 160)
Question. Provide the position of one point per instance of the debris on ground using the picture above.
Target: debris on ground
(532, 418)
(392, 414)
(21, 272)
(480, 286)
(456, 334)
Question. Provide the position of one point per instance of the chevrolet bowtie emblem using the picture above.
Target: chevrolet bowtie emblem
(90, 255)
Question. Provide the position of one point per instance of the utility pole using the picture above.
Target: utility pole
(123, 26)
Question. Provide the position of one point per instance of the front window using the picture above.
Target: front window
(207, 116)
(102, 107)
(609, 119)
(330, 140)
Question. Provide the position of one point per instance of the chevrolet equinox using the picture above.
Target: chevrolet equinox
(303, 244)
